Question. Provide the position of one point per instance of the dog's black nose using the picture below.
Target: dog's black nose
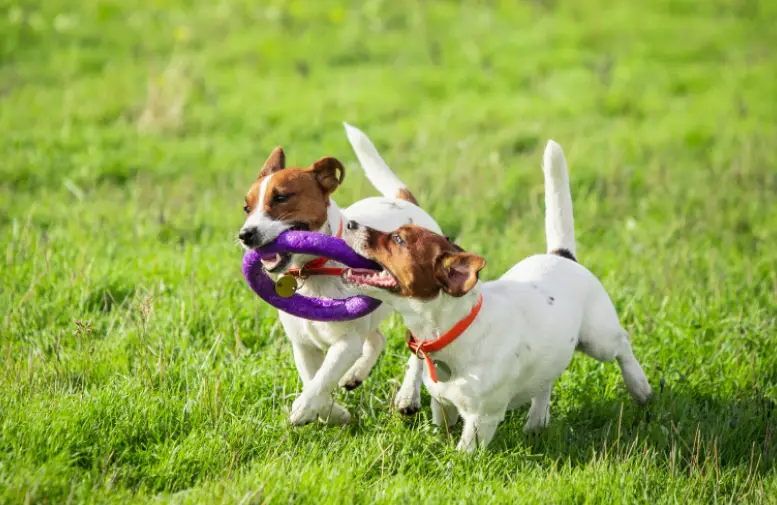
(352, 225)
(247, 235)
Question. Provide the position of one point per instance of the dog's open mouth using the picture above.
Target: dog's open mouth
(375, 278)
(280, 261)
(276, 263)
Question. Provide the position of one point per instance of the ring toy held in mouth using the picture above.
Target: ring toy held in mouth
(314, 309)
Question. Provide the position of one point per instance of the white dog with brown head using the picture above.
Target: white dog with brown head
(292, 198)
(490, 347)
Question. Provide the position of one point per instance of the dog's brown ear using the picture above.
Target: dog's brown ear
(457, 273)
(276, 161)
(329, 173)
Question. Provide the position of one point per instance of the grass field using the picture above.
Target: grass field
(137, 366)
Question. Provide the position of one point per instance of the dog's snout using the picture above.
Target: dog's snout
(247, 235)
(352, 225)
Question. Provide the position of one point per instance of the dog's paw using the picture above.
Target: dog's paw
(535, 425)
(350, 382)
(305, 410)
(641, 392)
(466, 446)
(407, 405)
(335, 415)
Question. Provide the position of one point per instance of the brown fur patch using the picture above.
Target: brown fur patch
(564, 253)
(406, 195)
(276, 161)
(424, 262)
(295, 195)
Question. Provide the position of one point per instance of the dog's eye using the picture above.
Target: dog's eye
(246, 209)
(397, 239)
(280, 197)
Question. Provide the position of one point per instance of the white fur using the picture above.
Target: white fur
(379, 174)
(532, 320)
(559, 220)
(328, 353)
(259, 220)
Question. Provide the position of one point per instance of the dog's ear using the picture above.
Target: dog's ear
(329, 173)
(276, 161)
(457, 273)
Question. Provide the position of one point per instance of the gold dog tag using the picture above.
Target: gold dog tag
(443, 371)
(286, 286)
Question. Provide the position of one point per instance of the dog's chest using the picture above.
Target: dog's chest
(457, 392)
(488, 375)
(318, 333)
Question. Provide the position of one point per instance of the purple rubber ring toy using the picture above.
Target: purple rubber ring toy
(314, 309)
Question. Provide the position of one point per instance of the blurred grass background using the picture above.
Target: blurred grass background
(138, 367)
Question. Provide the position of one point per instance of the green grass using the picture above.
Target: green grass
(138, 367)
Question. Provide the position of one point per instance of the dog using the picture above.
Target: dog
(503, 343)
(291, 198)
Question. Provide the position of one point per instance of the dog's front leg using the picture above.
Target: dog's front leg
(308, 360)
(408, 398)
(316, 398)
(444, 415)
(478, 432)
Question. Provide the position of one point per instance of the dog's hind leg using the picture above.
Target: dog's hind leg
(603, 339)
(633, 376)
(371, 349)
(620, 349)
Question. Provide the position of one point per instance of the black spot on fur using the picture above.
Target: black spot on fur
(551, 300)
(564, 253)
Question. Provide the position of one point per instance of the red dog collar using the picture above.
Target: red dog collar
(422, 349)
(316, 267)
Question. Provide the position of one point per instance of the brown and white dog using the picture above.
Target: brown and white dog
(499, 344)
(292, 198)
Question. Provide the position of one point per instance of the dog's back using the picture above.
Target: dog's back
(554, 296)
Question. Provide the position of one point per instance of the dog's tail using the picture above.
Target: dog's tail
(379, 174)
(559, 221)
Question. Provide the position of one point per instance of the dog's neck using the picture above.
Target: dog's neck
(429, 319)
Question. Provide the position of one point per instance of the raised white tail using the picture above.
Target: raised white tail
(377, 171)
(559, 221)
